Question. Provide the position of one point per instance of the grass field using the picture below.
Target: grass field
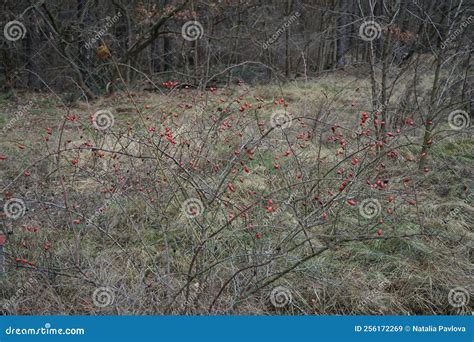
(240, 200)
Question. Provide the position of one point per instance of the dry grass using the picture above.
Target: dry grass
(142, 245)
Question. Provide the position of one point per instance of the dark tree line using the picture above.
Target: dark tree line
(81, 46)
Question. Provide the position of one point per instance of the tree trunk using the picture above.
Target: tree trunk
(167, 49)
(342, 36)
(287, 40)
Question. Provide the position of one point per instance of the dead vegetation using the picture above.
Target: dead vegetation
(271, 208)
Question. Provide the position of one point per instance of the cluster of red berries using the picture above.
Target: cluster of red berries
(169, 84)
(169, 135)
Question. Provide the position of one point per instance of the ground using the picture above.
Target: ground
(238, 200)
